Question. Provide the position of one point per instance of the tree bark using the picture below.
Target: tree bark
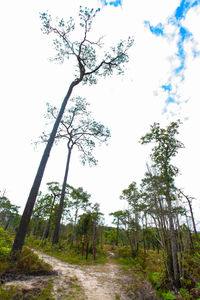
(47, 229)
(174, 255)
(117, 241)
(192, 215)
(189, 232)
(174, 246)
(60, 210)
(25, 219)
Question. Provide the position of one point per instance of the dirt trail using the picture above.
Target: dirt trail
(96, 282)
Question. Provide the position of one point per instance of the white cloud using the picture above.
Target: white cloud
(126, 104)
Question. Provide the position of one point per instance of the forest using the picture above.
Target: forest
(153, 244)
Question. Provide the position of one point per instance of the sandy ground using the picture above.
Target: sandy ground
(96, 282)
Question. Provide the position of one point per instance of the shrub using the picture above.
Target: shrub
(168, 296)
(5, 244)
(124, 252)
(29, 262)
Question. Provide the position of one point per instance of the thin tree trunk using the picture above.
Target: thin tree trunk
(74, 228)
(94, 240)
(190, 235)
(47, 229)
(7, 223)
(87, 248)
(60, 210)
(174, 247)
(192, 216)
(25, 219)
(117, 241)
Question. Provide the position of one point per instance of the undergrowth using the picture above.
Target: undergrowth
(15, 292)
(149, 265)
(26, 261)
(65, 252)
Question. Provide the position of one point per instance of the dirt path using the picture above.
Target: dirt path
(99, 282)
(96, 282)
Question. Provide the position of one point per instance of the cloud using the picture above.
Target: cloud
(182, 36)
(167, 87)
(184, 8)
(114, 3)
(157, 30)
(170, 100)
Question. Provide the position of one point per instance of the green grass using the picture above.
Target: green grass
(15, 292)
(26, 261)
(66, 253)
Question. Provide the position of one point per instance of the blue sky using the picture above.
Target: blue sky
(163, 73)
(182, 36)
(115, 3)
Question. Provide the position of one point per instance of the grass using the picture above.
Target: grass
(15, 292)
(66, 253)
(150, 266)
(26, 261)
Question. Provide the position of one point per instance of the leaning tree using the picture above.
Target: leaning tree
(87, 69)
(79, 130)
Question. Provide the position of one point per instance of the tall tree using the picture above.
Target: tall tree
(131, 216)
(55, 192)
(116, 220)
(88, 68)
(79, 201)
(7, 211)
(166, 147)
(81, 131)
(189, 201)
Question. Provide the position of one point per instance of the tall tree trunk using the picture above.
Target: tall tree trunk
(25, 219)
(94, 236)
(189, 232)
(47, 229)
(192, 215)
(62, 197)
(174, 246)
(74, 238)
(174, 255)
(117, 240)
(7, 223)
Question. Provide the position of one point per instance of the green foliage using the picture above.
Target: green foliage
(84, 50)
(185, 294)
(168, 296)
(156, 279)
(111, 236)
(66, 252)
(29, 262)
(26, 262)
(15, 292)
(5, 244)
(8, 213)
(124, 252)
(78, 128)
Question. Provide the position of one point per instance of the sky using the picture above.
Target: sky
(160, 84)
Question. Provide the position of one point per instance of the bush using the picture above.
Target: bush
(29, 262)
(124, 252)
(168, 296)
(5, 244)
(26, 262)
